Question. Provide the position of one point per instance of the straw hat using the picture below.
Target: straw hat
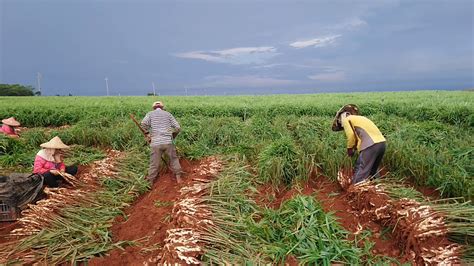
(158, 104)
(54, 143)
(349, 108)
(11, 122)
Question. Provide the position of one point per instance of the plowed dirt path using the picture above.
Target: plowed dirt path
(148, 218)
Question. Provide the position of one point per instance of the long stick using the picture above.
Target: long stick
(140, 127)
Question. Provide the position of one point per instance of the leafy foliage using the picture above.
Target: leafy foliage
(429, 141)
(16, 90)
(281, 162)
(245, 233)
(278, 139)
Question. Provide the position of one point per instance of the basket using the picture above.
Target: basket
(8, 213)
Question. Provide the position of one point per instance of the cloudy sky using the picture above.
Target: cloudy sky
(236, 46)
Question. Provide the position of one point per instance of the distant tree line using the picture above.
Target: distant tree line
(17, 90)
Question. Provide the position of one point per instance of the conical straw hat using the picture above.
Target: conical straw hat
(350, 108)
(55, 143)
(11, 122)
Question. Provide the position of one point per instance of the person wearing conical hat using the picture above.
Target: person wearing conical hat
(49, 162)
(8, 127)
(362, 134)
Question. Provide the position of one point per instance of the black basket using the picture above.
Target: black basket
(8, 213)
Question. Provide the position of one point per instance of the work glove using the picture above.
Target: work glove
(350, 152)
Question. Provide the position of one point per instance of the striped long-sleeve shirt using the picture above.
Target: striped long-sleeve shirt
(161, 126)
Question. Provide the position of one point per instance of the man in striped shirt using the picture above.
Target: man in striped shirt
(163, 128)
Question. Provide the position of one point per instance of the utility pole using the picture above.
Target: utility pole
(107, 85)
(186, 91)
(38, 78)
(154, 92)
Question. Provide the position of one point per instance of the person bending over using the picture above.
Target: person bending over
(362, 134)
(8, 127)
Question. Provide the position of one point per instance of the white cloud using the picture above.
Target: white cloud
(316, 42)
(349, 24)
(249, 81)
(329, 77)
(270, 65)
(236, 56)
(281, 65)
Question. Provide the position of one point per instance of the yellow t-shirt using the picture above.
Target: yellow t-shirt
(361, 131)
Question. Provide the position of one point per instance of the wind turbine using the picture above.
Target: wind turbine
(107, 85)
(38, 78)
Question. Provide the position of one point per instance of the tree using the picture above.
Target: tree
(17, 90)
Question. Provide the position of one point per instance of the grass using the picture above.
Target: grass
(245, 233)
(80, 232)
(431, 140)
(277, 139)
(281, 163)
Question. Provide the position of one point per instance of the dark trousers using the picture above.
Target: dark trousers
(51, 180)
(368, 162)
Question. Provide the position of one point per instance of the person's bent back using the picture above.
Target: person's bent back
(361, 131)
(8, 127)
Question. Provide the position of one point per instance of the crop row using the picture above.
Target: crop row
(430, 153)
(243, 232)
(447, 107)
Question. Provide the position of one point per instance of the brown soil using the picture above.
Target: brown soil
(291, 261)
(333, 199)
(5, 229)
(147, 222)
(420, 230)
(428, 192)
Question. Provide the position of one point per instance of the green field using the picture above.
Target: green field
(429, 133)
(274, 139)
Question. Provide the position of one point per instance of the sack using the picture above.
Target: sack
(20, 189)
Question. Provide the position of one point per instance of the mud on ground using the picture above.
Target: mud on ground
(157, 216)
(333, 199)
(152, 219)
